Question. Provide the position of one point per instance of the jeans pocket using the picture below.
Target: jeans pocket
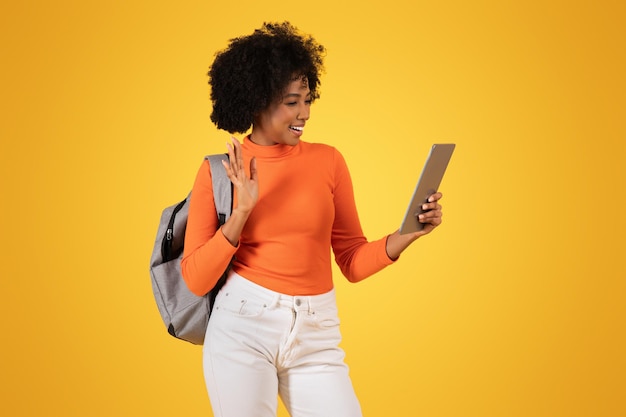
(326, 319)
(240, 305)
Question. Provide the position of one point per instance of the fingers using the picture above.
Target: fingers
(430, 206)
(234, 166)
(229, 171)
(432, 213)
(246, 188)
(435, 197)
(238, 153)
(433, 217)
(253, 175)
(432, 203)
(232, 154)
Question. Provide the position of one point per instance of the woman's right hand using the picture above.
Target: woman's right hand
(247, 188)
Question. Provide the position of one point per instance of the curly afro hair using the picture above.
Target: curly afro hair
(254, 70)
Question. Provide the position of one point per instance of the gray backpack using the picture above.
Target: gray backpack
(185, 314)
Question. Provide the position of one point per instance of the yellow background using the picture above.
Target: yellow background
(514, 307)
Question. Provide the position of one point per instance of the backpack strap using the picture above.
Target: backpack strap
(223, 198)
(222, 187)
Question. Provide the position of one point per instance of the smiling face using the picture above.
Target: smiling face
(283, 121)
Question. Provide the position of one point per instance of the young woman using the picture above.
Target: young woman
(274, 327)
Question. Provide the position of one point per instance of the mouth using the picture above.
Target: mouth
(297, 130)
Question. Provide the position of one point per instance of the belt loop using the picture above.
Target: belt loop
(275, 301)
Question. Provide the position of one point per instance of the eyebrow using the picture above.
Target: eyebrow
(297, 95)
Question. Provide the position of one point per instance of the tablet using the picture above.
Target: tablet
(428, 184)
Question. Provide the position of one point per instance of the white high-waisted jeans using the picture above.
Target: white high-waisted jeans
(261, 343)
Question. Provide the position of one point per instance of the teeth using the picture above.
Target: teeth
(300, 128)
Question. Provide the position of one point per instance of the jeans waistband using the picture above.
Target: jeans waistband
(239, 284)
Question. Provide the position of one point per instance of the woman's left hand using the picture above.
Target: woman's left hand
(432, 216)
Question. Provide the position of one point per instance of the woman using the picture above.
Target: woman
(274, 327)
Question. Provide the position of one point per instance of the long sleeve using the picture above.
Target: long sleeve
(357, 258)
(207, 252)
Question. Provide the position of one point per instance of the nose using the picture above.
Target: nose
(304, 112)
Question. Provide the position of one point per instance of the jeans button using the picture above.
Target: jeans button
(298, 302)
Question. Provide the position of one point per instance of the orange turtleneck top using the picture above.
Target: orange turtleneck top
(305, 207)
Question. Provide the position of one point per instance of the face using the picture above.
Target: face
(283, 122)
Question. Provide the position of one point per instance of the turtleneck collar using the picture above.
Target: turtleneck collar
(271, 151)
